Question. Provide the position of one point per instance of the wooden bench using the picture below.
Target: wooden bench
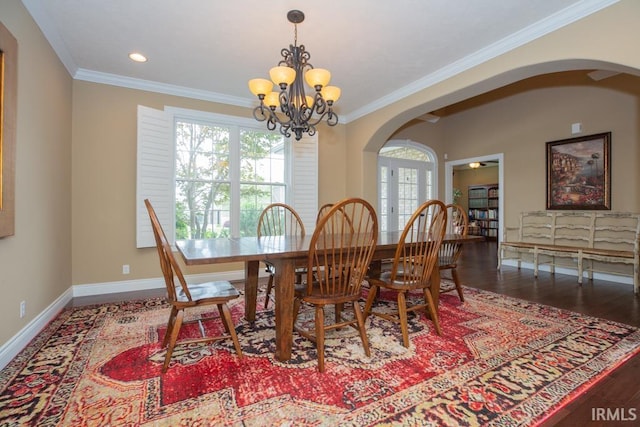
(607, 242)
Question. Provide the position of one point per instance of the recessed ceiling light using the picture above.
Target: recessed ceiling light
(138, 57)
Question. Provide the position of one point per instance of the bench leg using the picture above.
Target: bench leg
(580, 261)
(535, 263)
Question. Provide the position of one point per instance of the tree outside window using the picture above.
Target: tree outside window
(206, 181)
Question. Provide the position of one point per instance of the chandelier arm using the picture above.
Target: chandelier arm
(271, 123)
(319, 118)
(332, 118)
(319, 103)
(259, 113)
(284, 130)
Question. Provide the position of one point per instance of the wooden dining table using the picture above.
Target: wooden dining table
(285, 253)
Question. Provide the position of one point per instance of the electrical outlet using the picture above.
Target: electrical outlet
(23, 309)
(125, 268)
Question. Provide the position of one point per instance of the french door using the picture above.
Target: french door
(403, 185)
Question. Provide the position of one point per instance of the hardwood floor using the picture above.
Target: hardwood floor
(477, 268)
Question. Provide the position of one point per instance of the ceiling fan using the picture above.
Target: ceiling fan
(474, 165)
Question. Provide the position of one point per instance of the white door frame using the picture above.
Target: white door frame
(448, 182)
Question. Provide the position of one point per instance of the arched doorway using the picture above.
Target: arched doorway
(407, 176)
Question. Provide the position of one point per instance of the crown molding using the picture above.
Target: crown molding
(543, 27)
(552, 23)
(151, 86)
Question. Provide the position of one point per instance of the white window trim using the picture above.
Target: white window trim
(155, 175)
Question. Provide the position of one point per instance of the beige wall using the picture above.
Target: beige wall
(519, 126)
(75, 204)
(35, 263)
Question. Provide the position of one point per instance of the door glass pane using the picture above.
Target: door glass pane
(384, 193)
(407, 194)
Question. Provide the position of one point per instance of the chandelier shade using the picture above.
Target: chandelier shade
(282, 75)
(289, 107)
(330, 93)
(317, 77)
(272, 99)
(260, 86)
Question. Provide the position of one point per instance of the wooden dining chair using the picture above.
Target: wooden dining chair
(339, 254)
(457, 223)
(323, 210)
(279, 219)
(412, 266)
(183, 297)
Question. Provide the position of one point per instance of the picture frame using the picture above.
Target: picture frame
(8, 123)
(579, 173)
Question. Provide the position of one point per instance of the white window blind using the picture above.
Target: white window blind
(304, 180)
(154, 174)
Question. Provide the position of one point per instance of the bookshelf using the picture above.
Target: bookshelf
(483, 210)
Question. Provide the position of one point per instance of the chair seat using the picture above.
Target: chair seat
(316, 297)
(209, 290)
(385, 281)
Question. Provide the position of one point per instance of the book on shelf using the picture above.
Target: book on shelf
(483, 208)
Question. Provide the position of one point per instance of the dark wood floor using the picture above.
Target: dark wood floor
(618, 391)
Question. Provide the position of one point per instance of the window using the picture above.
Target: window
(212, 175)
(204, 187)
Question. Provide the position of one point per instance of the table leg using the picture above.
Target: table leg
(435, 286)
(375, 268)
(251, 269)
(284, 292)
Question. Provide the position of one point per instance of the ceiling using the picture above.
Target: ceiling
(378, 52)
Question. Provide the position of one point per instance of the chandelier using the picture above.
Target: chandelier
(300, 112)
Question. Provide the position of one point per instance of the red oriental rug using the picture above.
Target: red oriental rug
(501, 361)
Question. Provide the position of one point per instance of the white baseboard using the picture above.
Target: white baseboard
(146, 284)
(19, 341)
(11, 348)
(627, 280)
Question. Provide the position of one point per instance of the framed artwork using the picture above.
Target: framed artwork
(8, 110)
(579, 173)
